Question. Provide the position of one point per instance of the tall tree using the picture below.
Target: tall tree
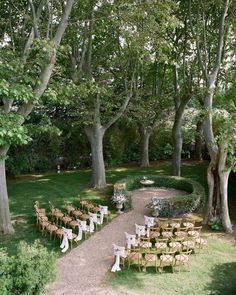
(30, 42)
(109, 57)
(209, 32)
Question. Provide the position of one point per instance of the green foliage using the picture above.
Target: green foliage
(11, 130)
(6, 279)
(28, 271)
(173, 206)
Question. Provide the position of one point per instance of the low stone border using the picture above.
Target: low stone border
(169, 207)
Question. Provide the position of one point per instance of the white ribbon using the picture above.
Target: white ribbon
(67, 234)
(82, 227)
(140, 230)
(130, 240)
(103, 211)
(118, 252)
(101, 218)
(149, 221)
(91, 224)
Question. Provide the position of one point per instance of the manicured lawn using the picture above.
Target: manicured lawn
(212, 273)
(25, 190)
(209, 274)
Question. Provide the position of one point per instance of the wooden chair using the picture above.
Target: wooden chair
(181, 232)
(195, 231)
(175, 223)
(163, 223)
(188, 244)
(201, 243)
(51, 229)
(69, 207)
(188, 223)
(56, 213)
(43, 224)
(167, 232)
(175, 246)
(88, 206)
(77, 213)
(59, 233)
(166, 259)
(182, 258)
(66, 219)
(150, 259)
(144, 243)
(135, 257)
(83, 203)
(73, 224)
(154, 232)
(161, 245)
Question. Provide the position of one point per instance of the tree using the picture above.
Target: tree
(209, 32)
(29, 46)
(107, 61)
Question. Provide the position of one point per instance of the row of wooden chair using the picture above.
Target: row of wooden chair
(161, 246)
(84, 208)
(156, 259)
(174, 222)
(45, 225)
(54, 227)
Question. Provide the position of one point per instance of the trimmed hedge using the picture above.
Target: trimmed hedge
(168, 207)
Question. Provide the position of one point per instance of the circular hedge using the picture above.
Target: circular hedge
(167, 207)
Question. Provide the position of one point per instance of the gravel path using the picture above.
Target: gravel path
(82, 271)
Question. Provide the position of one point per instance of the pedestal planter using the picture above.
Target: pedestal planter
(119, 207)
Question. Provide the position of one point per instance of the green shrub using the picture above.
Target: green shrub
(27, 272)
(172, 206)
(6, 268)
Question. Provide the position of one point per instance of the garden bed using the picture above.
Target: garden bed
(191, 201)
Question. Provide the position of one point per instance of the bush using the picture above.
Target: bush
(27, 272)
(173, 206)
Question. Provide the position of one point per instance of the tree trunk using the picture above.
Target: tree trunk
(198, 142)
(145, 136)
(5, 218)
(224, 177)
(177, 139)
(95, 135)
(212, 172)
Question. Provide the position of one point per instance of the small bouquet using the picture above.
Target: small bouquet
(118, 198)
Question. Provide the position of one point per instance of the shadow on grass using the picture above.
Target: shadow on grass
(130, 279)
(223, 279)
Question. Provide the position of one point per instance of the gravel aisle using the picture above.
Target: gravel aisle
(81, 271)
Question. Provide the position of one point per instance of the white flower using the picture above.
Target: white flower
(118, 198)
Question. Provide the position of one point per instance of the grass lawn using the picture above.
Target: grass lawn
(210, 274)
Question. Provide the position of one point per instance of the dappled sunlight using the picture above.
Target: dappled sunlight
(37, 175)
(121, 169)
(43, 180)
(160, 171)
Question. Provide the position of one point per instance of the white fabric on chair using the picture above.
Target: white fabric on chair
(118, 252)
(130, 240)
(91, 224)
(103, 209)
(95, 217)
(149, 221)
(82, 227)
(65, 242)
(140, 230)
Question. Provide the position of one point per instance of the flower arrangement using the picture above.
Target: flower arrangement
(118, 198)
